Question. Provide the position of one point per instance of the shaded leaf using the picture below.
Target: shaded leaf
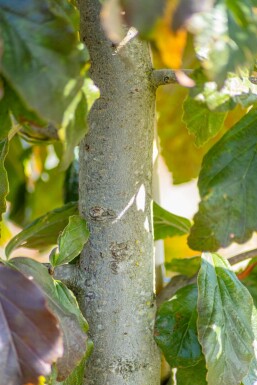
(78, 375)
(44, 231)
(74, 131)
(194, 375)
(250, 281)
(63, 304)
(225, 38)
(71, 183)
(142, 14)
(227, 185)
(224, 322)
(201, 122)
(175, 328)
(71, 241)
(46, 194)
(184, 266)
(186, 9)
(39, 33)
(167, 224)
(30, 336)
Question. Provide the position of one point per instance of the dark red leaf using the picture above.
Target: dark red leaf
(30, 339)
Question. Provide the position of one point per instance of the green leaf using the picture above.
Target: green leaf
(75, 131)
(44, 231)
(251, 377)
(224, 322)
(225, 38)
(71, 241)
(227, 184)
(175, 328)
(5, 126)
(184, 266)
(71, 182)
(63, 304)
(236, 90)
(250, 281)
(75, 120)
(30, 336)
(194, 375)
(167, 224)
(201, 122)
(37, 34)
(78, 374)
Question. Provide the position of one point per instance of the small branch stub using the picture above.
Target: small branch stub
(168, 76)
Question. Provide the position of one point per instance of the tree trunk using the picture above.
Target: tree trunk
(117, 264)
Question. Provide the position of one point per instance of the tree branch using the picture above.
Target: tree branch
(181, 280)
(68, 274)
(168, 76)
(242, 256)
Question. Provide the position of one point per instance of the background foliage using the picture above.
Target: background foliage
(207, 130)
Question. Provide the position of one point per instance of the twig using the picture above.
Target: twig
(243, 256)
(69, 274)
(167, 76)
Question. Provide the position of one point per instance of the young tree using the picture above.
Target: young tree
(205, 326)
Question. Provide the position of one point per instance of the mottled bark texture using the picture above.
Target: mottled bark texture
(117, 264)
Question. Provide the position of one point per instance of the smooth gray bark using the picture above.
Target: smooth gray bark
(117, 264)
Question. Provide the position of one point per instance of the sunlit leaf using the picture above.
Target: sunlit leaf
(177, 248)
(5, 232)
(5, 126)
(225, 38)
(224, 322)
(64, 305)
(169, 44)
(180, 153)
(227, 185)
(75, 121)
(39, 33)
(236, 90)
(71, 241)
(175, 328)
(167, 224)
(201, 122)
(30, 336)
(44, 231)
